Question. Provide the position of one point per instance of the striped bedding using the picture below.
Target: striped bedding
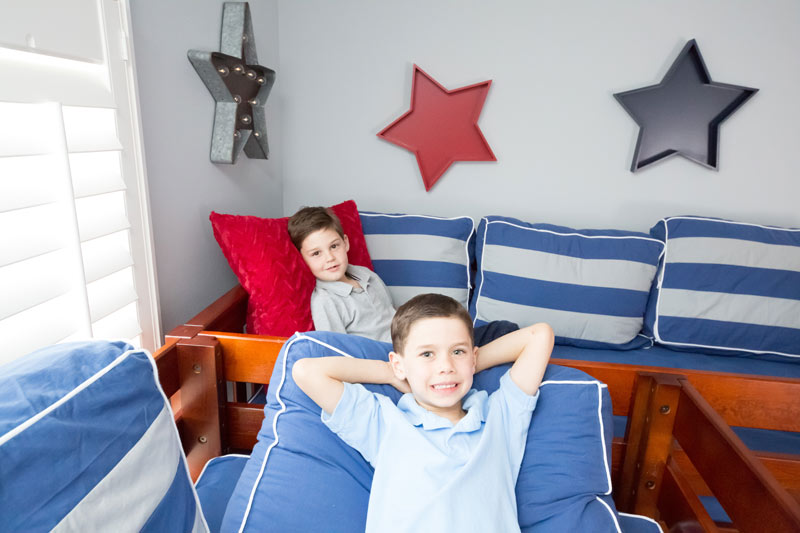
(88, 443)
(592, 286)
(727, 287)
(415, 254)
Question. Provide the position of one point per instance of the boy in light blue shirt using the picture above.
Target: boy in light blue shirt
(446, 456)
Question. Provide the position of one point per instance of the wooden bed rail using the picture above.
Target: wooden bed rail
(670, 419)
(660, 469)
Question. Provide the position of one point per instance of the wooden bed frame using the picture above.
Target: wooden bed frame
(678, 444)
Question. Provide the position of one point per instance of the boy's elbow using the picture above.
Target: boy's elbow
(301, 372)
(543, 330)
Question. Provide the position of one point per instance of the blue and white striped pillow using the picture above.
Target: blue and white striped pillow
(591, 286)
(728, 287)
(415, 254)
(88, 443)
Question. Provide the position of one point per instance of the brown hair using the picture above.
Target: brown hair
(310, 219)
(429, 305)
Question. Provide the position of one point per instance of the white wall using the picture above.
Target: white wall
(564, 145)
(177, 116)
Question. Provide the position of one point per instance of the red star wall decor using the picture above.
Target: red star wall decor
(441, 127)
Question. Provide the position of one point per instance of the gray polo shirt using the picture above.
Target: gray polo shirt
(368, 311)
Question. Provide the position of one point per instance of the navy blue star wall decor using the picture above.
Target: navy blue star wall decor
(239, 85)
(682, 114)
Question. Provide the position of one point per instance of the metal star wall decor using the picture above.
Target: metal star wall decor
(682, 114)
(441, 127)
(239, 85)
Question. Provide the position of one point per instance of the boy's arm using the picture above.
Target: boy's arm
(528, 348)
(321, 378)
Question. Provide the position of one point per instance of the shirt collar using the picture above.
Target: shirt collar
(344, 289)
(475, 403)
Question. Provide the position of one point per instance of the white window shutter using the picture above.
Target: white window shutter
(76, 255)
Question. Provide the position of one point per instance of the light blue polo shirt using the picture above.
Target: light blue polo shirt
(431, 475)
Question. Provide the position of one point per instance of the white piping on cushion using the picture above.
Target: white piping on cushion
(611, 512)
(660, 276)
(295, 338)
(480, 262)
(600, 386)
(542, 230)
(168, 406)
(647, 518)
(466, 242)
(213, 459)
(92, 379)
(44, 412)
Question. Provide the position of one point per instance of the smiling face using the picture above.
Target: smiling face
(438, 361)
(325, 253)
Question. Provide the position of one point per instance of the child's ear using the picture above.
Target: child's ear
(346, 244)
(396, 361)
(474, 358)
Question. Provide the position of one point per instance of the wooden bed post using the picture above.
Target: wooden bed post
(649, 438)
(202, 401)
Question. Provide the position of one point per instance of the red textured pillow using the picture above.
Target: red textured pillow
(272, 271)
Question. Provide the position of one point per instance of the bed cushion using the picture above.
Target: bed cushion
(273, 272)
(88, 443)
(215, 485)
(302, 477)
(591, 286)
(415, 254)
(727, 287)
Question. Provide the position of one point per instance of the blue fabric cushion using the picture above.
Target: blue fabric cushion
(727, 287)
(302, 477)
(88, 443)
(631, 523)
(415, 254)
(215, 485)
(591, 286)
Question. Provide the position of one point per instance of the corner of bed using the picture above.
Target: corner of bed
(678, 447)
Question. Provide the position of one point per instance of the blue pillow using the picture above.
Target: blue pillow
(302, 477)
(727, 287)
(215, 485)
(88, 443)
(591, 286)
(415, 254)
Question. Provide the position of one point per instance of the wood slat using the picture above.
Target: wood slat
(678, 503)
(744, 487)
(243, 424)
(785, 468)
(248, 358)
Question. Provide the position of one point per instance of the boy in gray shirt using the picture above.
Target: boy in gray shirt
(348, 298)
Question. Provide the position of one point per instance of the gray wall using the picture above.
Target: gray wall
(563, 143)
(177, 117)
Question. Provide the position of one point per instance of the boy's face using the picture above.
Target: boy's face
(438, 361)
(325, 253)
